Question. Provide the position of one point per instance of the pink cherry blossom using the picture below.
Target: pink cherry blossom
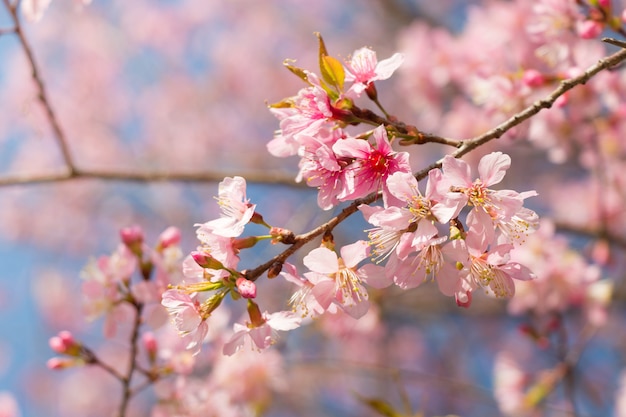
(104, 286)
(303, 300)
(34, 9)
(264, 335)
(310, 112)
(337, 281)
(235, 207)
(187, 317)
(491, 268)
(322, 168)
(371, 166)
(364, 68)
(492, 209)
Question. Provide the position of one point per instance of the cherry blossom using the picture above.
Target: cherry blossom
(236, 211)
(371, 166)
(263, 334)
(187, 316)
(337, 281)
(491, 209)
(364, 68)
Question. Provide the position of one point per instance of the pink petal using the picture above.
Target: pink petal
(354, 253)
(492, 167)
(322, 260)
(386, 67)
(456, 172)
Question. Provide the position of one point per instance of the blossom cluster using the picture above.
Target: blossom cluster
(414, 236)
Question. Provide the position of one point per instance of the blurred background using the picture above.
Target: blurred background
(181, 87)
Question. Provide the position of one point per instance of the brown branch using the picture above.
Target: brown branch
(6, 31)
(545, 103)
(591, 232)
(42, 95)
(127, 392)
(149, 176)
(466, 147)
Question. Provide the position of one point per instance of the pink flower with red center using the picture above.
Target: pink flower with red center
(371, 166)
(235, 207)
(364, 68)
(310, 112)
(187, 317)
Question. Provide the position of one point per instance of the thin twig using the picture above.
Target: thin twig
(42, 94)
(127, 392)
(150, 176)
(466, 147)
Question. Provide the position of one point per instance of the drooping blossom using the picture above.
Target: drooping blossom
(261, 335)
(364, 68)
(187, 316)
(371, 166)
(236, 210)
(490, 268)
(338, 280)
(251, 378)
(303, 301)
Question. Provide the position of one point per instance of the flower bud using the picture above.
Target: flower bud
(371, 92)
(589, 29)
(169, 237)
(274, 270)
(150, 344)
(132, 235)
(282, 235)
(62, 363)
(246, 288)
(533, 78)
(65, 343)
(205, 260)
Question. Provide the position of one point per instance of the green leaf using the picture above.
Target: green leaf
(330, 68)
(380, 406)
(298, 71)
(334, 71)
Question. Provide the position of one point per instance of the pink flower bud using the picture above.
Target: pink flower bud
(205, 260)
(246, 288)
(169, 237)
(561, 101)
(589, 29)
(57, 344)
(60, 363)
(132, 235)
(67, 337)
(533, 78)
(149, 343)
(64, 343)
(604, 3)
